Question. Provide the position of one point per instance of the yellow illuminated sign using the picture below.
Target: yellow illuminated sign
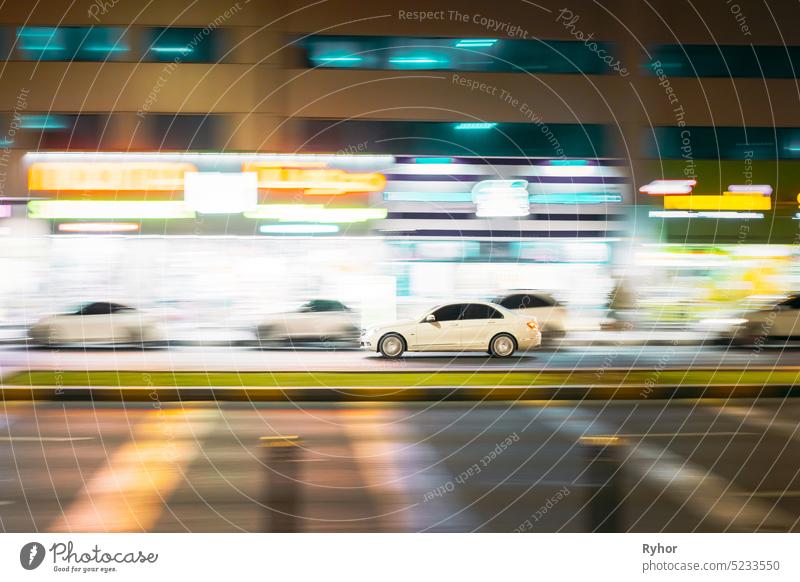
(108, 176)
(315, 181)
(728, 201)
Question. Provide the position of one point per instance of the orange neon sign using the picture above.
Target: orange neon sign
(315, 181)
(108, 176)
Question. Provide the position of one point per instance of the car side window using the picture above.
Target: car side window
(449, 312)
(529, 301)
(479, 311)
(492, 313)
(792, 302)
(511, 301)
(95, 309)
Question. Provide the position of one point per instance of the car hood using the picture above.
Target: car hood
(393, 326)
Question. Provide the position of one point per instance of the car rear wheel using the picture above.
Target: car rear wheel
(503, 345)
(392, 346)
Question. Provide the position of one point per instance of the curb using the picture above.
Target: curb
(638, 392)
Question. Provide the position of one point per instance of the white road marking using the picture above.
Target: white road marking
(708, 495)
(762, 419)
(682, 434)
(36, 439)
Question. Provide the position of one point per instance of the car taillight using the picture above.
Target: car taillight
(533, 325)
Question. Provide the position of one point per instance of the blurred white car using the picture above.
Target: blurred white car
(97, 323)
(317, 320)
(474, 326)
(780, 321)
(549, 313)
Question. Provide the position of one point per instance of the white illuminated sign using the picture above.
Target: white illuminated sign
(501, 198)
(220, 192)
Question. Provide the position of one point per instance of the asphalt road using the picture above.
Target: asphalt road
(249, 359)
(671, 466)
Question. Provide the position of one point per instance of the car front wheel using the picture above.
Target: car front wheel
(392, 346)
(503, 345)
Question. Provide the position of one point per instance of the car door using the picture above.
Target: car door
(308, 321)
(443, 332)
(479, 323)
(336, 319)
(93, 323)
(785, 323)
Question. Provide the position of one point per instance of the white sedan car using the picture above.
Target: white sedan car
(474, 326)
(97, 323)
(317, 320)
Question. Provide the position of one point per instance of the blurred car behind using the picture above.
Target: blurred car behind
(97, 323)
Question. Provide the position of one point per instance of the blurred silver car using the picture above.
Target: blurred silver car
(777, 322)
(97, 323)
(549, 313)
(319, 320)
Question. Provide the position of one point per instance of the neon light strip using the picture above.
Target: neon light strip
(427, 196)
(41, 122)
(298, 229)
(476, 43)
(414, 61)
(433, 160)
(98, 227)
(108, 176)
(461, 126)
(171, 49)
(203, 157)
(742, 201)
(100, 209)
(666, 187)
(575, 198)
(107, 49)
(765, 189)
(569, 162)
(314, 213)
(338, 59)
(37, 48)
(688, 214)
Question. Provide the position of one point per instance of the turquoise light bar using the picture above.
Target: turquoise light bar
(415, 61)
(476, 42)
(569, 162)
(341, 59)
(41, 122)
(427, 196)
(107, 49)
(433, 160)
(575, 198)
(49, 47)
(38, 31)
(171, 49)
(475, 126)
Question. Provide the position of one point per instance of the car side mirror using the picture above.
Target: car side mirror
(430, 318)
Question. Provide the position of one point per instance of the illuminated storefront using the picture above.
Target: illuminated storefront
(232, 235)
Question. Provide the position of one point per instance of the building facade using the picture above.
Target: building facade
(584, 103)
